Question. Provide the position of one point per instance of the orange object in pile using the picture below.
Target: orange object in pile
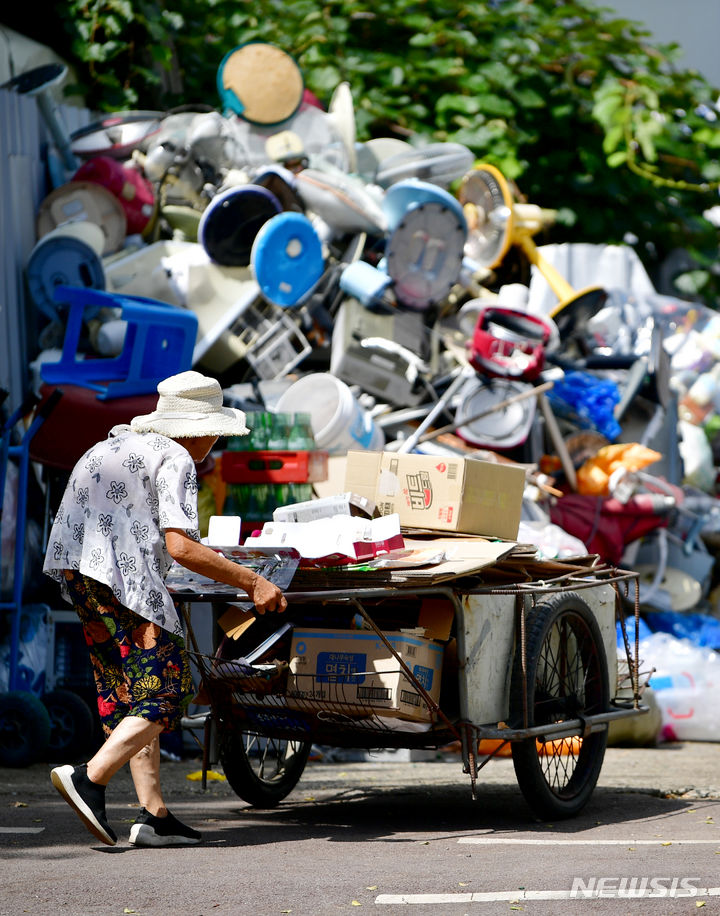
(498, 748)
(562, 746)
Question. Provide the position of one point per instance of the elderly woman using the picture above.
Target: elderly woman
(129, 510)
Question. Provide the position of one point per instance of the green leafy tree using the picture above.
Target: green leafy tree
(575, 105)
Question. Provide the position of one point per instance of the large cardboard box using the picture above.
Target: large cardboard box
(353, 672)
(444, 493)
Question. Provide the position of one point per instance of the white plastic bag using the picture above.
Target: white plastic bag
(697, 457)
(686, 684)
(552, 541)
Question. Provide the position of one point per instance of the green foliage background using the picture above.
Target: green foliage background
(573, 104)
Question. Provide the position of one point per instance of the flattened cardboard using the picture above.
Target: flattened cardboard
(436, 618)
(463, 556)
(335, 476)
(236, 620)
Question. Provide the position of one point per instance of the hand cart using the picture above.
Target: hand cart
(531, 661)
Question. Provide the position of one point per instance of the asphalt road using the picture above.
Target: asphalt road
(380, 837)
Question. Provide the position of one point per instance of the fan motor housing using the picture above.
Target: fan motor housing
(509, 344)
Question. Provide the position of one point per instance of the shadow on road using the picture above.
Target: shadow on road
(392, 815)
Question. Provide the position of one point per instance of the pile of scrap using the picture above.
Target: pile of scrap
(352, 297)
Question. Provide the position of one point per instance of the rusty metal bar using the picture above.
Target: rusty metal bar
(555, 730)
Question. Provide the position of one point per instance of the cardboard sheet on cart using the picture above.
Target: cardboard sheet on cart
(453, 557)
(422, 563)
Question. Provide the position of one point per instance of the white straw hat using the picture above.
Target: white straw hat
(190, 405)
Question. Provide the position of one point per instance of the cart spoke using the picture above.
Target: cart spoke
(566, 668)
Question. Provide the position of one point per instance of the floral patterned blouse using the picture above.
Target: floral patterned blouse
(121, 496)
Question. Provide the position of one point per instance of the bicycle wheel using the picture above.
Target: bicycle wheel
(262, 771)
(72, 727)
(567, 678)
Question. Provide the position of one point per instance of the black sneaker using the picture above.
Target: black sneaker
(86, 798)
(149, 830)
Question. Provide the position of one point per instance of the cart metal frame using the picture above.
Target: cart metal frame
(248, 704)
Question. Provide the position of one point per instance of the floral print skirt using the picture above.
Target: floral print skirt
(139, 668)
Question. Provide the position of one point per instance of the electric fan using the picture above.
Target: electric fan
(495, 222)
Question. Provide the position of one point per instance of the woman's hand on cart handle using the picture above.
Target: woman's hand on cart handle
(266, 596)
(204, 560)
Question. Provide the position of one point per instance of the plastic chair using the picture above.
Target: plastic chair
(159, 342)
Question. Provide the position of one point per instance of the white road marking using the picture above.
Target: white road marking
(21, 829)
(488, 841)
(523, 895)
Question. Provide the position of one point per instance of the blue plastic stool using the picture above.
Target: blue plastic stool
(159, 342)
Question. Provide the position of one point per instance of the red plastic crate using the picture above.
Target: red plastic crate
(274, 467)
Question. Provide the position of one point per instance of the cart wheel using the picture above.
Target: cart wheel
(566, 678)
(72, 727)
(24, 729)
(263, 771)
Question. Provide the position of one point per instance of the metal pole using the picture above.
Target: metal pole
(465, 373)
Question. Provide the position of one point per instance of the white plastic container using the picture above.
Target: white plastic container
(338, 421)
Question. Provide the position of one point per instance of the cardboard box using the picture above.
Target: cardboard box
(441, 493)
(352, 671)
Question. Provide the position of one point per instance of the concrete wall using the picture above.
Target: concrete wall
(693, 24)
(21, 180)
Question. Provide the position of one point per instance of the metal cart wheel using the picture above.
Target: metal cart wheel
(72, 726)
(262, 771)
(24, 729)
(566, 678)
